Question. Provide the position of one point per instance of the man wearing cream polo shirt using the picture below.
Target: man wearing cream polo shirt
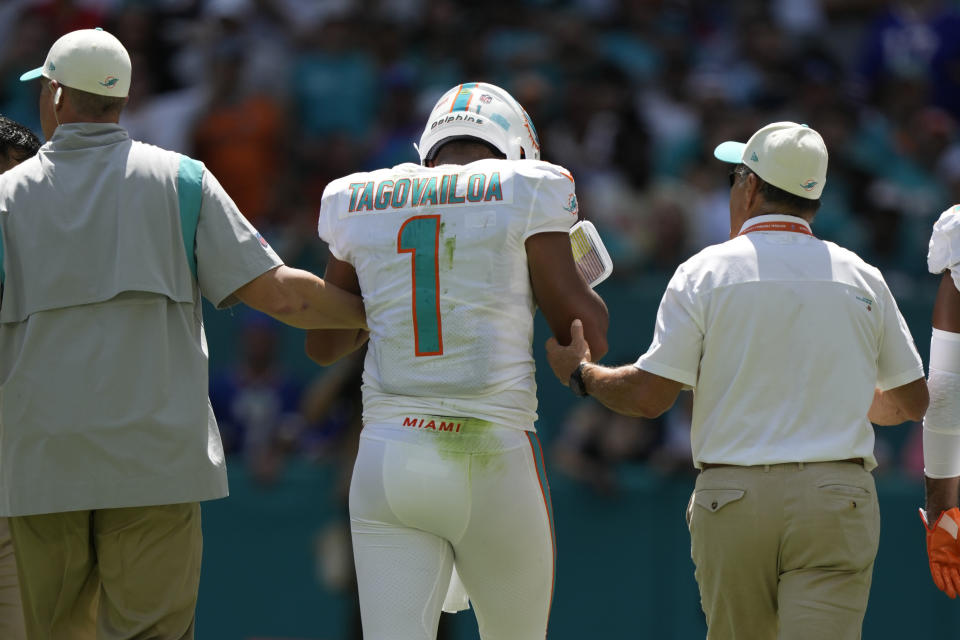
(790, 344)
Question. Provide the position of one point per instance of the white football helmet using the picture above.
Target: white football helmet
(484, 111)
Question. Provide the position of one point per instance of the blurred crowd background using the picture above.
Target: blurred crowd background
(278, 97)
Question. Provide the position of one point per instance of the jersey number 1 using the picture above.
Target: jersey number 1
(420, 237)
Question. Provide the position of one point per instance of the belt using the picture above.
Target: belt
(712, 465)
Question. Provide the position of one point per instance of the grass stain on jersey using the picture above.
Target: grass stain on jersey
(450, 247)
(460, 440)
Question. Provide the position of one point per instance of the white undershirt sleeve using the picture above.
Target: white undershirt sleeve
(941, 425)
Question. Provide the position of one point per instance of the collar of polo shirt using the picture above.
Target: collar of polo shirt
(776, 222)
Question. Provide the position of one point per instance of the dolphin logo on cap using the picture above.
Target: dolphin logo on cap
(808, 185)
(110, 82)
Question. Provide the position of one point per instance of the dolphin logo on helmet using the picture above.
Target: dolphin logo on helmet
(483, 111)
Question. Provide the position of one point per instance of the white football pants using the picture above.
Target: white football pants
(423, 498)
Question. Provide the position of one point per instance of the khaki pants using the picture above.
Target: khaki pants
(110, 574)
(784, 551)
(11, 610)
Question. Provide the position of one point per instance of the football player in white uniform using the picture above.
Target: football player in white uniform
(452, 258)
(941, 425)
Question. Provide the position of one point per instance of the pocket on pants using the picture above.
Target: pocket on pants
(846, 499)
(712, 500)
(846, 514)
(716, 499)
(846, 490)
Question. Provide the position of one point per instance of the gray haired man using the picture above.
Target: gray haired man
(792, 345)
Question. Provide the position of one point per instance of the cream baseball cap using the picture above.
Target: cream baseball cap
(90, 60)
(788, 155)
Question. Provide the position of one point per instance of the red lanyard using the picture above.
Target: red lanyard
(795, 227)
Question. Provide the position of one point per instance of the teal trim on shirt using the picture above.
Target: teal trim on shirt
(189, 195)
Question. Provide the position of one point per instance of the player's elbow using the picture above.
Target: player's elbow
(916, 409)
(912, 399)
(319, 349)
(324, 359)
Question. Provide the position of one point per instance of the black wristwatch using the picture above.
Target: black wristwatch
(576, 381)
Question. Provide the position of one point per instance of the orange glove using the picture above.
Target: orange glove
(943, 551)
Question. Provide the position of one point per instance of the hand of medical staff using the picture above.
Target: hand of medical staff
(943, 552)
(564, 360)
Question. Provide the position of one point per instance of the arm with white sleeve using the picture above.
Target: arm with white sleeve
(941, 425)
(941, 442)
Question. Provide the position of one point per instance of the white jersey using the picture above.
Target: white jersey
(784, 338)
(944, 250)
(442, 265)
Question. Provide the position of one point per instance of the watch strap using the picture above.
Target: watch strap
(577, 384)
